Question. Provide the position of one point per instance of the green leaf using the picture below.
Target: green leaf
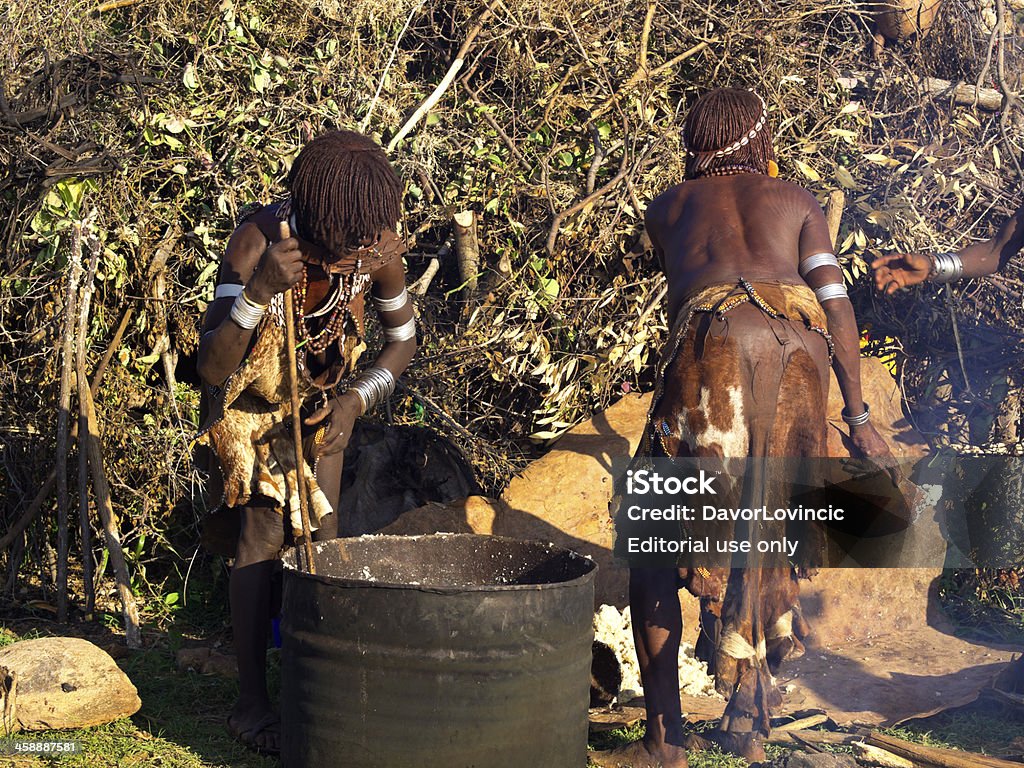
(188, 78)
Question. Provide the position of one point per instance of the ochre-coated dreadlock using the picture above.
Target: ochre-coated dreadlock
(717, 120)
(344, 191)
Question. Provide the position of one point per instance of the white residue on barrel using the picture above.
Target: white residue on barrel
(614, 628)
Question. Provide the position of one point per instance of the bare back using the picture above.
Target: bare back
(718, 229)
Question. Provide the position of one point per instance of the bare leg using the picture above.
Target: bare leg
(252, 719)
(657, 630)
(328, 476)
(742, 673)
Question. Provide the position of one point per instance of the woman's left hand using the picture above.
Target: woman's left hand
(340, 414)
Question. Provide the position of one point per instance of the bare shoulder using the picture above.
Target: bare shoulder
(246, 246)
(793, 193)
(389, 278)
(661, 207)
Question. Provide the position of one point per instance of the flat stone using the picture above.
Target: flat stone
(64, 682)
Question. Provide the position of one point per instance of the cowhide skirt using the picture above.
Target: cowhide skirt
(746, 378)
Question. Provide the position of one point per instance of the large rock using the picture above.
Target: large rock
(64, 682)
(563, 496)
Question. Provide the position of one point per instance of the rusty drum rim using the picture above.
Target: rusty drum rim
(365, 583)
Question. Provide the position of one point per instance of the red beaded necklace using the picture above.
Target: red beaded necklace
(333, 329)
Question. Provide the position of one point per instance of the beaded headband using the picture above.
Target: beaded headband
(742, 141)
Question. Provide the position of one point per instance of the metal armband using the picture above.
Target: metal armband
(830, 291)
(946, 267)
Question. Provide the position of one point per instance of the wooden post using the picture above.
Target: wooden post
(63, 415)
(467, 249)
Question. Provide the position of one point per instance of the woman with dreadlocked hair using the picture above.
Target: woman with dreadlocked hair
(332, 241)
(757, 312)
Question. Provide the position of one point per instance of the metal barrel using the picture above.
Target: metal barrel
(449, 650)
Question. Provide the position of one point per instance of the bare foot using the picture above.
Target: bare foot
(636, 755)
(259, 731)
(749, 746)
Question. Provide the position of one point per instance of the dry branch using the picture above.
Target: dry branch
(108, 518)
(559, 217)
(961, 93)
(453, 70)
(834, 214)
(642, 74)
(419, 288)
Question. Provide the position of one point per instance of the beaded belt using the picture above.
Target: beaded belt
(753, 297)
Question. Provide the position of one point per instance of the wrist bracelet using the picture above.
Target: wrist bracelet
(372, 386)
(946, 267)
(859, 419)
(246, 312)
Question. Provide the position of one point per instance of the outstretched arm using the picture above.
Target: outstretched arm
(395, 311)
(825, 277)
(902, 270)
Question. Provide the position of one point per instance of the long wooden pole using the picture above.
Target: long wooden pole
(63, 415)
(293, 385)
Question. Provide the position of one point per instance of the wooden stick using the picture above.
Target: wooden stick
(965, 94)
(919, 754)
(803, 723)
(84, 525)
(834, 214)
(108, 518)
(878, 756)
(63, 415)
(293, 386)
(91, 440)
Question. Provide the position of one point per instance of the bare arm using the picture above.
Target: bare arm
(842, 325)
(989, 256)
(902, 270)
(263, 271)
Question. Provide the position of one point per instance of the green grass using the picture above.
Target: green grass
(713, 758)
(981, 727)
(180, 725)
